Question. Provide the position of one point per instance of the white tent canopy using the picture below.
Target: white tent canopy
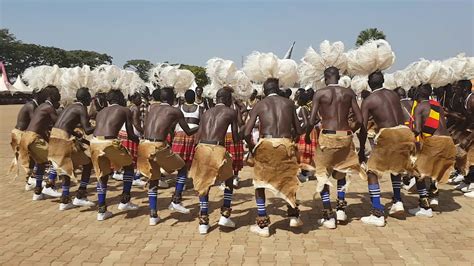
(3, 86)
(19, 86)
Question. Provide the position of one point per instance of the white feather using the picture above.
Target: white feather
(345, 82)
(375, 55)
(359, 83)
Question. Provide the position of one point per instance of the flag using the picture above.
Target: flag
(288, 54)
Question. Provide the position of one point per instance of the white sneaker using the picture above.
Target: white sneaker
(38, 197)
(102, 216)
(66, 206)
(341, 216)
(179, 208)
(236, 181)
(138, 183)
(154, 220)
(83, 202)
(117, 176)
(226, 222)
(374, 220)
(163, 184)
(295, 222)
(461, 186)
(264, 232)
(222, 186)
(328, 223)
(30, 184)
(469, 194)
(421, 212)
(203, 228)
(51, 192)
(434, 202)
(410, 185)
(397, 209)
(456, 180)
(468, 188)
(129, 206)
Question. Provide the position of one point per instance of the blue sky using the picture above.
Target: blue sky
(191, 32)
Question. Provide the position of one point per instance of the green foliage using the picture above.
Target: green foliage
(199, 72)
(141, 66)
(18, 56)
(369, 34)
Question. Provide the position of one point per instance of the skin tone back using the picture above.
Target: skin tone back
(215, 121)
(334, 104)
(161, 118)
(25, 115)
(277, 117)
(45, 115)
(73, 115)
(109, 121)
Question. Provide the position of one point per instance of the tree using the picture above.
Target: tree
(369, 34)
(18, 56)
(199, 73)
(141, 66)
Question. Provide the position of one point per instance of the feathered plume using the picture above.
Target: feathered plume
(311, 69)
(242, 86)
(360, 83)
(42, 76)
(463, 67)
(345, 81)
(222, 73)
(261, 66)
(374, 55)
(171, 76)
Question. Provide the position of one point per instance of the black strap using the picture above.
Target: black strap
(212, 142)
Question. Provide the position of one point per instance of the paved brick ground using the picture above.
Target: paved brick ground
(37, 233)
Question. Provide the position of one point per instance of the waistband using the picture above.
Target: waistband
(154, 140)
(212, 142)
(105, 137)
(337, 132)
(268, 136)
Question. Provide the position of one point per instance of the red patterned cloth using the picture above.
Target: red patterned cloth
(183, 145)
(131, 146)
(306, 151)
(236, 150)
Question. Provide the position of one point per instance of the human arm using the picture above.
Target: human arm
(249, 127)
(84, 120)
(129, 126)
(235, 127)
(364, 114)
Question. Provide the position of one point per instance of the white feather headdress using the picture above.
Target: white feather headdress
(222, 73)
(312, 66)
(374, 55)
(261, 66)
(360, 83)
(345, 81)
(462, 66)
(171, 76)
(42, 76)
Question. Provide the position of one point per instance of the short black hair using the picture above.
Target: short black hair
(167, 94)
(364, 94)
(50, 91)
(424, 91)
(310, 94)
(156, 95)
(116, 97)
(271, 85)
(376, 80)
(288, 93)
(83, 94)
(224, 95)
(401, 92)
(331, 72)
(190, 96)
(303, 98)
(465, 84)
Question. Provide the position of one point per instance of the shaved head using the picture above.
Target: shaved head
(331, 75)
(376, 80)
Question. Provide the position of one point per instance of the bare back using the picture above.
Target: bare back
(385, 108)
(277, 116)
(334, 104)
(407, 105)
(215, 121)
(74, 115)
(43, 119)
(109, 121)
(160, 120)
(25, 114)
